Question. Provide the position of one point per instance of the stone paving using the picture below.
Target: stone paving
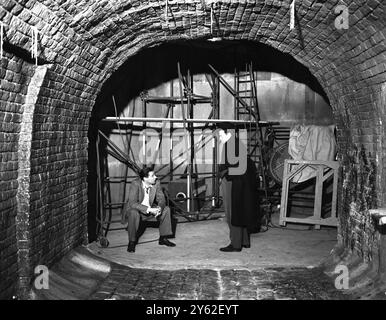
(295, 283)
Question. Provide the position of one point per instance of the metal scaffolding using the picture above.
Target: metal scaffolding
(246, 116)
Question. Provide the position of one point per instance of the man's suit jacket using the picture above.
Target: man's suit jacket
(136, 195)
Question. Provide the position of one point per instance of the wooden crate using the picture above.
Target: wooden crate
(324, 170)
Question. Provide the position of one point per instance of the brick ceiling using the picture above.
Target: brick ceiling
(97, 37)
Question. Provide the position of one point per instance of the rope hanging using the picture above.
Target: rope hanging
(34, 45)
(211, 18)
(1, 39)
(292, 15)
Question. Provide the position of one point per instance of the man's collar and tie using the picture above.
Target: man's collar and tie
(146, 187)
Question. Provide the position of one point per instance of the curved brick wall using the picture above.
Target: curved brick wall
(15, 75)
(82, 43)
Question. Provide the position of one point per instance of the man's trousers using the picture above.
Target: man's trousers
(135, 217)
(239, 236)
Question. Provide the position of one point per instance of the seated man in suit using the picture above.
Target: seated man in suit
(146, 202)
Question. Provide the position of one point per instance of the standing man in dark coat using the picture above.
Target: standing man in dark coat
(239, 191)
(146, 203)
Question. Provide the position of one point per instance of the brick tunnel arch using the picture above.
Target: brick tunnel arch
(81, 44)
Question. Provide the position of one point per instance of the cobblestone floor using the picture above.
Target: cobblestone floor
(297, 283)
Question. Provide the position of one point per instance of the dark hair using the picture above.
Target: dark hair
(226, 125)
(144, 172)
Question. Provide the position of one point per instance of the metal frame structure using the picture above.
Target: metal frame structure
(246, 116)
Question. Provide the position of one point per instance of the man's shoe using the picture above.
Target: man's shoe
(131, 247)
(166, 242)
(230, 248)
(246, 246)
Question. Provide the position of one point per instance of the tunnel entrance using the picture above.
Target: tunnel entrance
(287, 95)
(56, 58)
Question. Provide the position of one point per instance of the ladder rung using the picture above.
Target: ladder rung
(282, 134)
(245, 109)
(245, 114)
(244, 95)
(242, 73)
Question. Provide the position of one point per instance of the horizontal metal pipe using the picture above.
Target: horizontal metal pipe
(176, 120)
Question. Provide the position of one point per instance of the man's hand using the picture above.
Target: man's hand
(159, 211)
(155, 211)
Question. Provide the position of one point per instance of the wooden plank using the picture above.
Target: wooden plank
(328, 174)
(296, 170)
(324, 222)
(334, 194)
(318, 195)
(330, 164)
(284, 195)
